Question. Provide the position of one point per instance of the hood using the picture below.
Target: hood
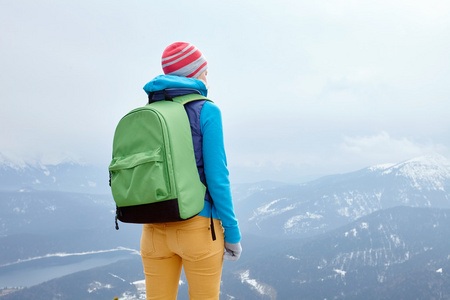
(163, 82)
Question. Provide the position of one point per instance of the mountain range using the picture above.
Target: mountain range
(377, 233)
(65, 177)
(330, 202)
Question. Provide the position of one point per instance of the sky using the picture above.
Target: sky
(306, 88)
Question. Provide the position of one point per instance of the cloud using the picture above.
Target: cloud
(305, 87)
(383, 148)
(316, 158)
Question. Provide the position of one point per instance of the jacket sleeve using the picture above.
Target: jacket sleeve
(216, 171)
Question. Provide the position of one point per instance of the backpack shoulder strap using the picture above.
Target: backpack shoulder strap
(184, 100)
(189, 98)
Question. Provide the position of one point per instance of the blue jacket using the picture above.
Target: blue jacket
(214, 158)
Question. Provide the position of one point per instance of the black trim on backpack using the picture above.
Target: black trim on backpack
(150, 97)
(169, 94)
(152, 213)
(166, 96)
(158, 212)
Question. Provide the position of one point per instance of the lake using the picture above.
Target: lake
(38, 270)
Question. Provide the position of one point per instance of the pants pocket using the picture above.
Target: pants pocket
(147, 245)
(195, 244)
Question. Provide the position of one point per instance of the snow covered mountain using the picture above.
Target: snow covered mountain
(67, 177)
(396, 253)
(377, 233)
(327, 203)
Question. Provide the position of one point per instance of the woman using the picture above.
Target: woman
(167, 247)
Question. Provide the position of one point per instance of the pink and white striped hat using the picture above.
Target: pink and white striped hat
(183, 59)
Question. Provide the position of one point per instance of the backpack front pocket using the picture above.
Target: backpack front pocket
(139, 178)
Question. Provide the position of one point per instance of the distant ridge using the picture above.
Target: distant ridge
(334, 200)
(67, 177)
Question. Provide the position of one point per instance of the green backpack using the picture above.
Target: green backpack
(153, 173)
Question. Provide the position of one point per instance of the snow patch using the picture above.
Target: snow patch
(322, 264)
(140, 286)
(96, 285)
(51, 208)
(45, 170)
(116, 276)
(296, 219)
(261, 288)
(396, 239)
(340, 272)
(292, 257)
(344, 212)
(268, 211)
(381, 167)
(19, 210)
(353, 232)
(428, 172)
(387, 172)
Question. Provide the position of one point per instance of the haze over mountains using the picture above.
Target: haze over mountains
(377, 233)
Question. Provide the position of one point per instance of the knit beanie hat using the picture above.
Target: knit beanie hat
(183, 59)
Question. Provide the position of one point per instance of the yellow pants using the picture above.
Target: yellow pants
(167, 247)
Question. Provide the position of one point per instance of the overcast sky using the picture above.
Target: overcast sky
(306, 88)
